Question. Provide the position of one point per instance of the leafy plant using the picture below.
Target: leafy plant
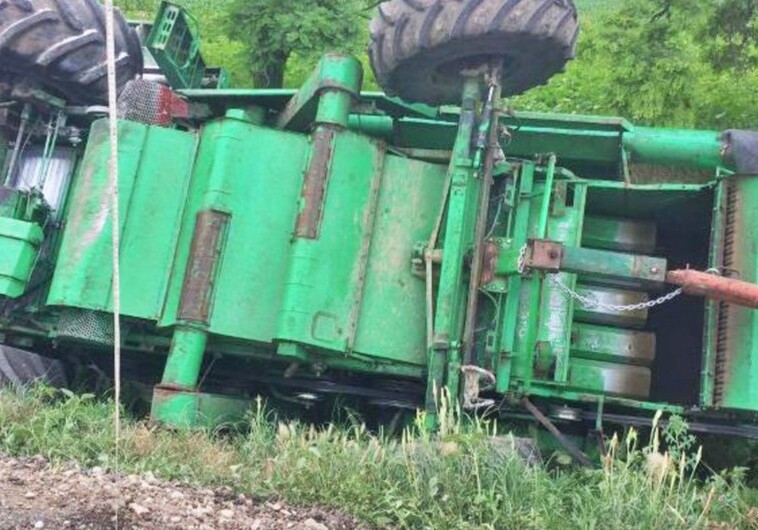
(469, 476)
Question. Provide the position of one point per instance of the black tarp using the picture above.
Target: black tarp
(742, 150)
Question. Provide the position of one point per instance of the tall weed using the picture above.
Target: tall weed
(466, 476)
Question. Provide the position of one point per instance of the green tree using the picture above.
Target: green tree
(273, 31)
(661, 62)
(731, 35)
(138, 9)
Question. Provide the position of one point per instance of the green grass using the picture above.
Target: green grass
(456, 481)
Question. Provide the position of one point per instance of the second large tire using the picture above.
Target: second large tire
(419, 47)
(21, 368)
(60, 45)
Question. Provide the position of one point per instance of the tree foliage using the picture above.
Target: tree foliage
(138, 9)
(731, 35)
(275, 30)
(662, 62)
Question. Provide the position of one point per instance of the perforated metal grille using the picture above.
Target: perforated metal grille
(87, 326)
(140, 101)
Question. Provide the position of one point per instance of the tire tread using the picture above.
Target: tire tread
(21, 368)
(60, 44)
(406, 32)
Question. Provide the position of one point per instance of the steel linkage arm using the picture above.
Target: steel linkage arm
(553, 257)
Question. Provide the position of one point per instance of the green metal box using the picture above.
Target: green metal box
(19, 242)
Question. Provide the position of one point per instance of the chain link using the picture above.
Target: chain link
(590, 303)
(522, 260)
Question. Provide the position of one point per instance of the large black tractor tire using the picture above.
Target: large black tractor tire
(419, 47)
(20, 368)
(60, 45)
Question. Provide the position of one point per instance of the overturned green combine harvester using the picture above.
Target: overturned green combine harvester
(328, 242)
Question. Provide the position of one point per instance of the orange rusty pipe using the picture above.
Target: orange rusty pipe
(715, 287)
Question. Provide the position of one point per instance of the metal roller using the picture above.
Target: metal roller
(623, 235)
(619, 235)
(617, 379)
(602, 314)
(613, 345)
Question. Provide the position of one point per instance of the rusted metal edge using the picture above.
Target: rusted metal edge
(369, 222)
(314, 184)
(491, 255)
(490, 142)
(205, 256)
(544, 255)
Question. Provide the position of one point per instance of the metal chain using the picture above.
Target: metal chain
(522, 260)
(590, 303)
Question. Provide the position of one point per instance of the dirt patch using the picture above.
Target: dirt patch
(35, 495)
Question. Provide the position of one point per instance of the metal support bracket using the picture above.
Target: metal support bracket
(553, 257)
(544, 255)
(341, 73)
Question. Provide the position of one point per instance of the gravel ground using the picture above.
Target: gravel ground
(34, 495)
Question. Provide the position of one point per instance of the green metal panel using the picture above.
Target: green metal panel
(12, 203)
(322, 295)
(551, 390)
(254, 174)
(736, 385)
(154, 167)
(19, 243)
(527, 319)
(392, 324)
(572, 144)
(579, 138)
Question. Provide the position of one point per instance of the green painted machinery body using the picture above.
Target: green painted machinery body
(321, 242)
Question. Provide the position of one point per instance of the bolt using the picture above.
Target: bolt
(553, 254)
(655, 270)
